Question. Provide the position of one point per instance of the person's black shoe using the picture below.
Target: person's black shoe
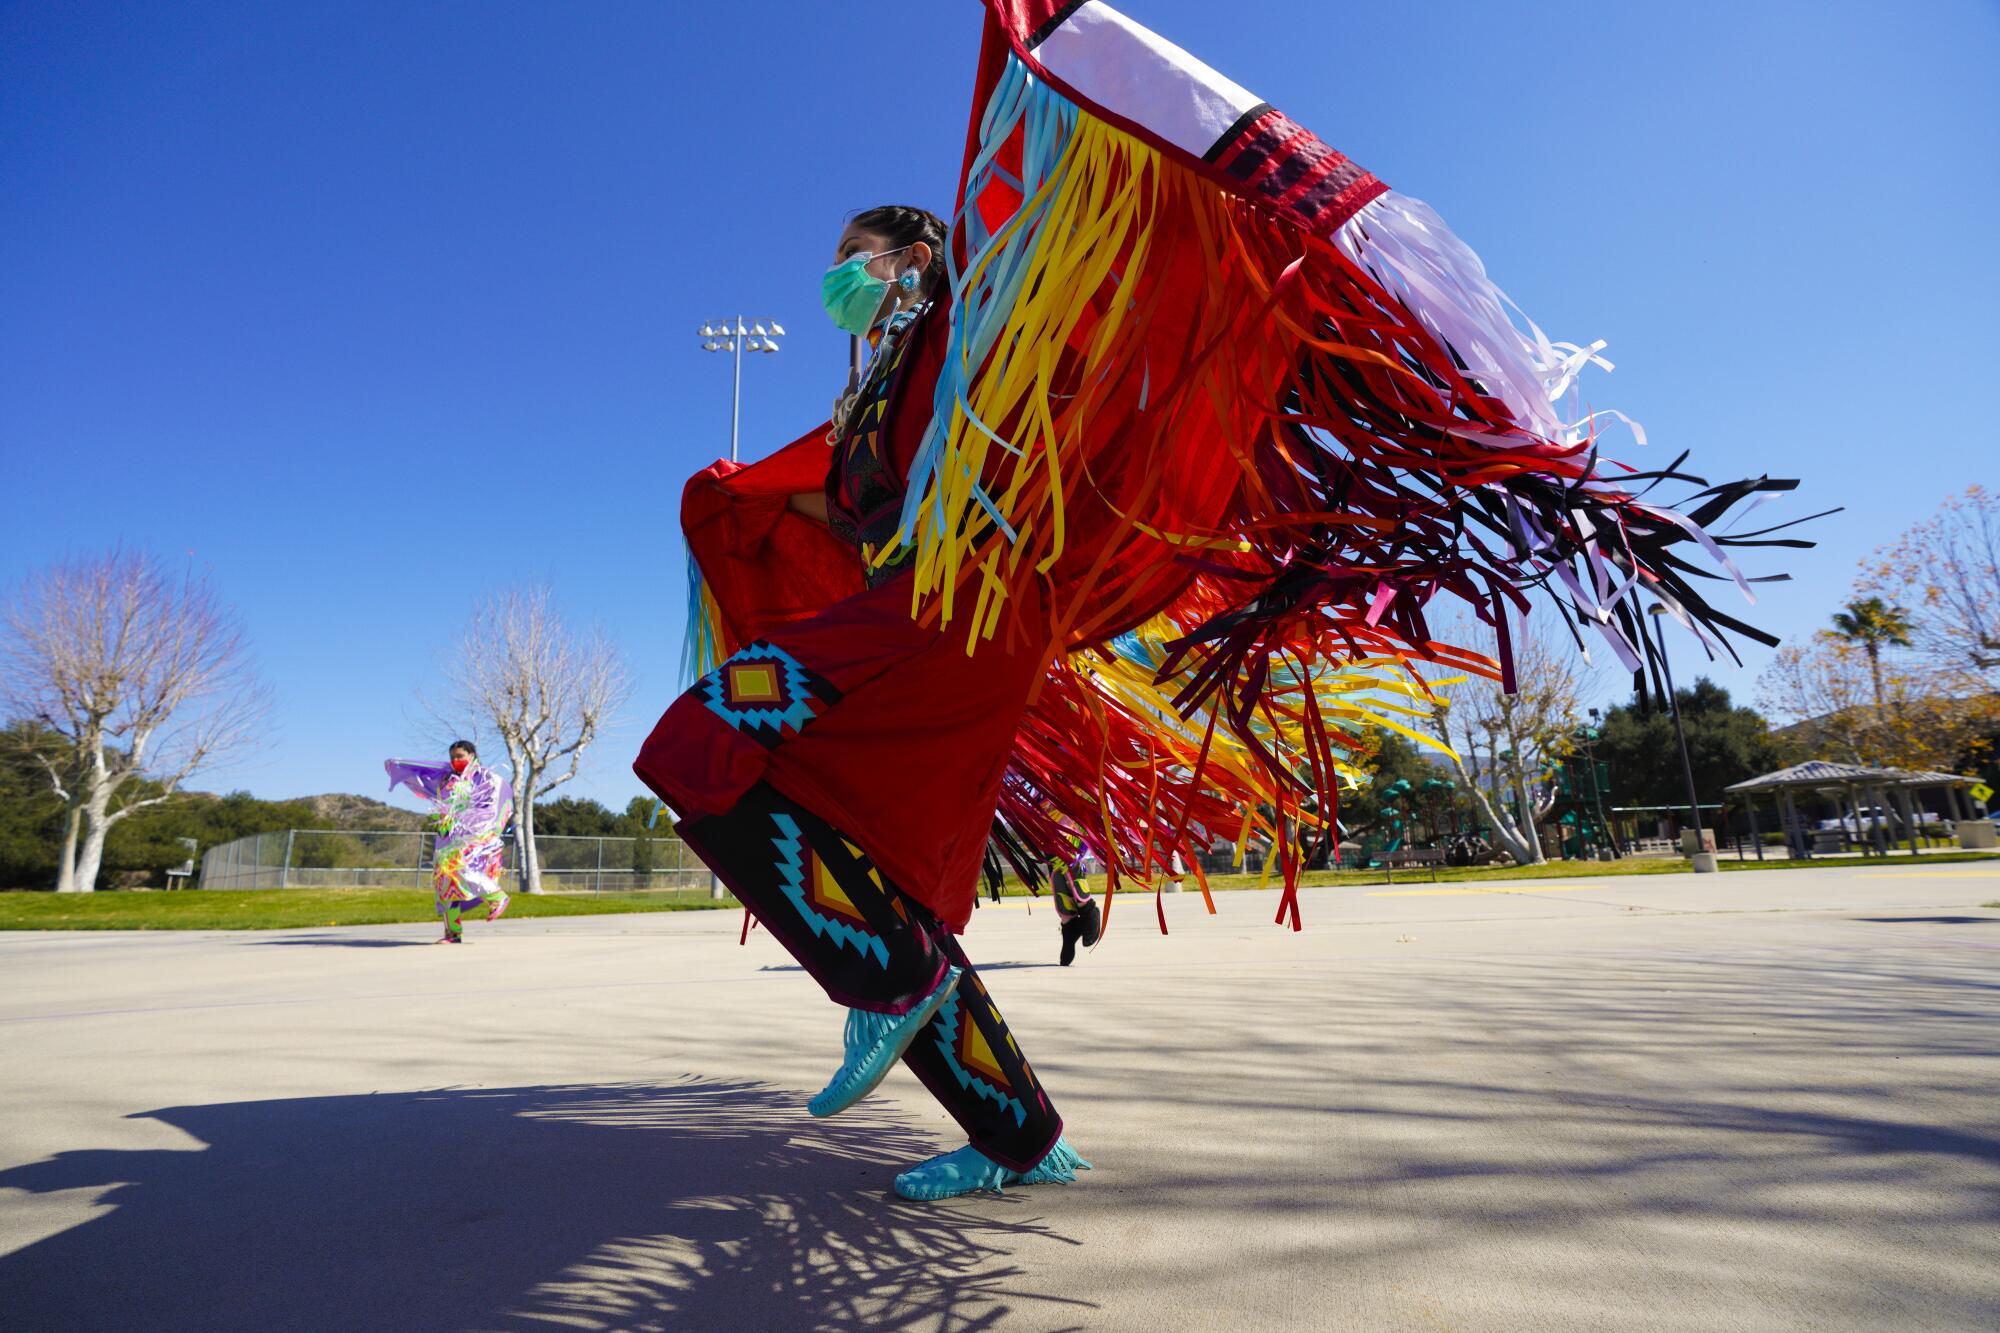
(1071, 929)
(1092, 921)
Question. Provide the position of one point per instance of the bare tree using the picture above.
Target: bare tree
(141, 672)
(547, 691)
(1945, 570)
(1823, 683)
(1504, 744)
(1924, 711)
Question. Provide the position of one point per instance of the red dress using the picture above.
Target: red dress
(1227, 417)
(894, 733)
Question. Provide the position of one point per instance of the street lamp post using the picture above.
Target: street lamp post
(1701, 858)
(736, 337)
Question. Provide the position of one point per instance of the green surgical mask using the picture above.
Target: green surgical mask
(852, 295)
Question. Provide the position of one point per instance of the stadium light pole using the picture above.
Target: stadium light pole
(736, 337)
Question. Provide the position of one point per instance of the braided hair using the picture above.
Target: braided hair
(901, 225)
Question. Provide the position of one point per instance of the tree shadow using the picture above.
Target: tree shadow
(701, 1204)
(1793, 1134)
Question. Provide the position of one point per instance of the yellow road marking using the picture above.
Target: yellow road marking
(1442, 893)
(1930, 874)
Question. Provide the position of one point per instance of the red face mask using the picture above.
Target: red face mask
(459, 765)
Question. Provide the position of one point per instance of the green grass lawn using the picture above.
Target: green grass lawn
(1555, 870)
(1456, 874)
(1552, 870)
(285, 909)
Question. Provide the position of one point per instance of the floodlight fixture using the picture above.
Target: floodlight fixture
(736, 337)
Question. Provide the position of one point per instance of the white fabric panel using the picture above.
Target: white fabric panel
(1410, 251)
(1143, 77)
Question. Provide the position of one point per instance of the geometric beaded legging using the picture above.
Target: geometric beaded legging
(873, 947)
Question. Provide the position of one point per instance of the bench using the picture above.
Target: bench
(1405, 858)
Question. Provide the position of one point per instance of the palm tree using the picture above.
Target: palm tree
(1872, 622)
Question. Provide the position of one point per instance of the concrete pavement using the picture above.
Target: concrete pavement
(1746, 1101)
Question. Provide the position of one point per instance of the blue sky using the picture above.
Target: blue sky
(375, 308)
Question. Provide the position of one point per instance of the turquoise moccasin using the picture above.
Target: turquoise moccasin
(969, 1170)
(874, 1043)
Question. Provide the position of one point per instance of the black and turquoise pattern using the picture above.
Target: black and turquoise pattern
(871, 947)
(765, 693)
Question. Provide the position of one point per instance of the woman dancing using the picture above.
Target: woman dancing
(473, 807)
(1129, 530)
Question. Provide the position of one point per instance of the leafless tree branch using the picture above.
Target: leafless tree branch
(548, 691)
(140, 670)
(1504, 743)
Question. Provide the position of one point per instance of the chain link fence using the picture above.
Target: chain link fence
(349, 858)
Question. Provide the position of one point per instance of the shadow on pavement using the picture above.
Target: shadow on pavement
(338, 942)
(983, 967)
(1929, 920)
(1784, 1135)
(700, 1204)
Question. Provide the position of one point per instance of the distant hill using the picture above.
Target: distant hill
(154, 838)
(340, 810)
(346, 811)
